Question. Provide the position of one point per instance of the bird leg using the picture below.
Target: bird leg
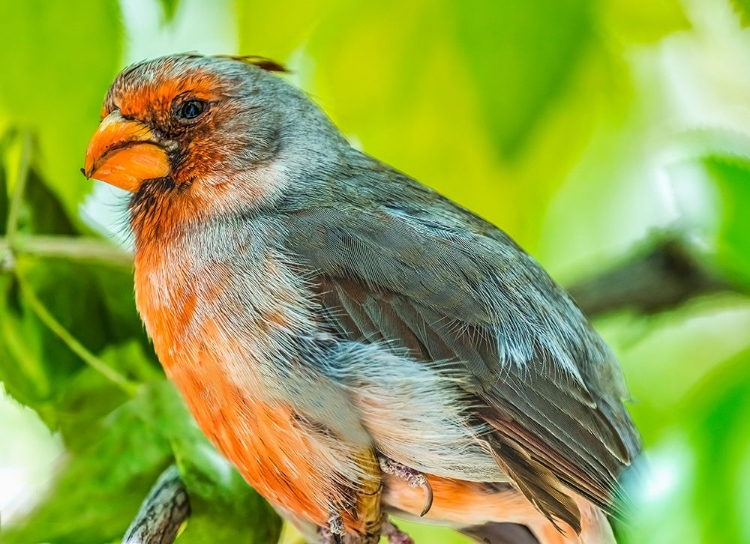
(412, 477)
(389, 530)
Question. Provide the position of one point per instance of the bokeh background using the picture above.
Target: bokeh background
(596, 132)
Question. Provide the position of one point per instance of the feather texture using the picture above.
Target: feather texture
(316, 307)
(449, 287)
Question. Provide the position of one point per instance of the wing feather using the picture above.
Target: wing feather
(449, 287)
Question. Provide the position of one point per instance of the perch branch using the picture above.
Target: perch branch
(664, 278)
(162, 513)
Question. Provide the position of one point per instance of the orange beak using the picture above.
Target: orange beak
(125, 153)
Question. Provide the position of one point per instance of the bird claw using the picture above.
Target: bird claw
(412, 477)
(427, 488)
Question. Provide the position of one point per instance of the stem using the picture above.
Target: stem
(17, 199)
(72, 248)
(75, 346)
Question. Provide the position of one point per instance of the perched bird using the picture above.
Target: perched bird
(355, 343)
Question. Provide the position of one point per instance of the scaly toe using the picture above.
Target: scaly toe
(412, 477)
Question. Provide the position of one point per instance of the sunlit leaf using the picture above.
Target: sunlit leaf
(643, 21)
(58, 59)
(272, 30)
(732, 177)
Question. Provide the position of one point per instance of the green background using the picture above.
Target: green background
(589, 130)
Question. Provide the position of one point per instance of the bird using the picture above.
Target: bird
(356, 344)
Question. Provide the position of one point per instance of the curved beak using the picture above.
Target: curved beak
(125, 153)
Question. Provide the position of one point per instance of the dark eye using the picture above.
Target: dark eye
(190, 109)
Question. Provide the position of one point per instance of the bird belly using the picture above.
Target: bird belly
(218, 378)
(223, 353)
(263, 440)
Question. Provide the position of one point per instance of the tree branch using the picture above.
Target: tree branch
(162, 513)
(73, 248)
(662, 279)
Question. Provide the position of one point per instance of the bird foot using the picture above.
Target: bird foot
(412, 477)
(335, 532)
(389, 530)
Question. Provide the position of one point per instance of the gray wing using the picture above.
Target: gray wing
(448, 286)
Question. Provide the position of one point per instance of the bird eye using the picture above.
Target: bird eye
(190, 109)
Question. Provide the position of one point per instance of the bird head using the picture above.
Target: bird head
(216, 133)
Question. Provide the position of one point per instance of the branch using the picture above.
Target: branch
(662, 279)
(162, 513)
(72, 248)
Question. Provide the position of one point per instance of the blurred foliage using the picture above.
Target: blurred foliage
(58, 57)
(579, 126)
(731, 175)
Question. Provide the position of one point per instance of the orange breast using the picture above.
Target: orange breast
(214, 371)
(261, 440)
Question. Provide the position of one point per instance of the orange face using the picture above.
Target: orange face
(146, 127)
(197, 135)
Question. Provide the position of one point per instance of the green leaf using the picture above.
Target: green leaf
(421, 532)
(117, 451)
(88, 396)
(22, 367)
(743, 9)
(169, 7)
(393, 79)
(4, 195)
(273, 30)
(482, 95)
(521, 55)
(45, 212)
(719, 409)
(732, 177)
(95, 305)
(58, 59)
(100, 487)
